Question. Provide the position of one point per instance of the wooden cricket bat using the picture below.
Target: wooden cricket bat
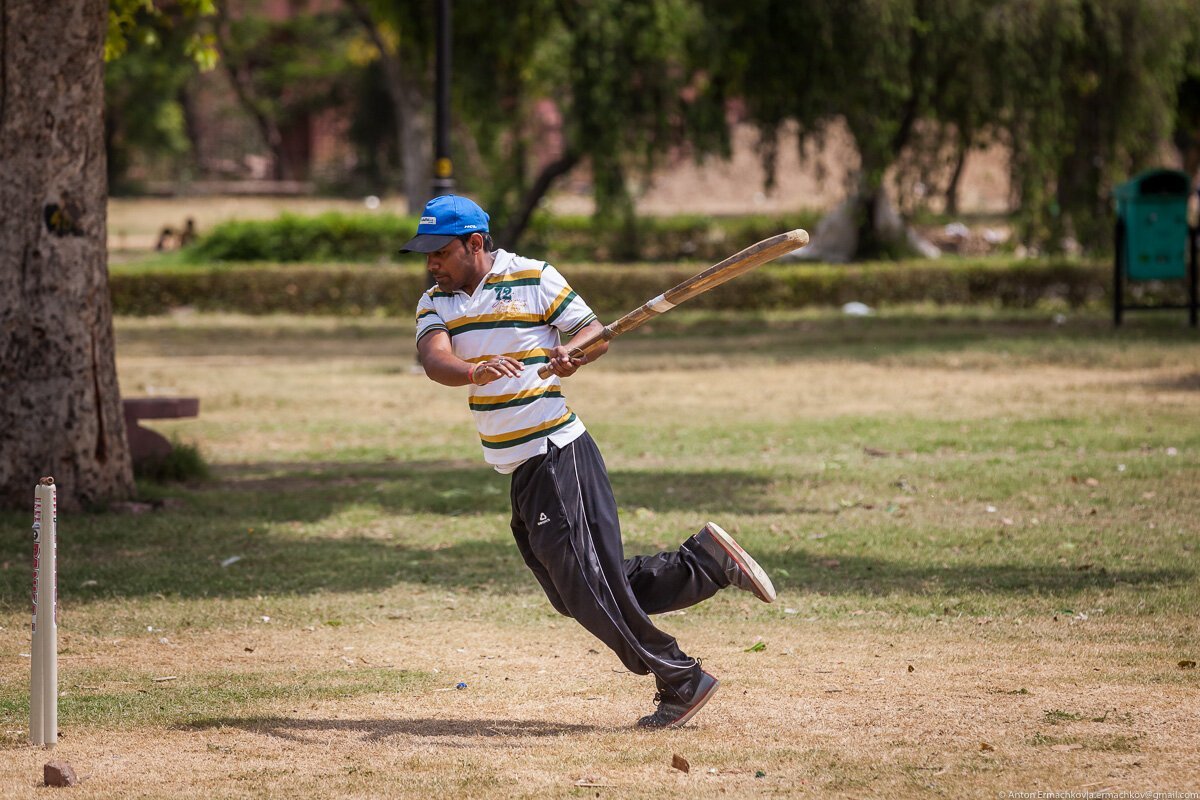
(753, 256)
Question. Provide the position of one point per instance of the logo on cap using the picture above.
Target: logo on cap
(429, 220)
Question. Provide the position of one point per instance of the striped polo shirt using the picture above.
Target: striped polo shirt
(518, 309)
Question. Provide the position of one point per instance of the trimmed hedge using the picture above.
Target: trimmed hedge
(335, 236)
(291, 237)
(613, 290)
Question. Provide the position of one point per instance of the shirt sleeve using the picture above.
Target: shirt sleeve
(565, 310)
(428, 318)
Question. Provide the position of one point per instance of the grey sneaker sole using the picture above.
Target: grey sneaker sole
(763, 588)
(697, 704)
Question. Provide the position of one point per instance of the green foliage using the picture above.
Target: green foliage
(142, 20)
(331, 236)
(184, 463)
(613, 290)
(563, 239)
(1083, 92)
(292, 67)
(604, 82)
(372, 237)
(152, 53)
(1089, 91)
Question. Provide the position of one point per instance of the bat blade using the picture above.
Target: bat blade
(737, 264)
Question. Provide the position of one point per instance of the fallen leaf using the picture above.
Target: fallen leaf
(910, 668)
(1187, 664)
(984, 747)
(757, 647)
(680, 763)
(1092, 482)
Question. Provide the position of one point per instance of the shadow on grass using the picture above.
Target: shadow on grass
(858, 575)
(310, 491)
(301, 529)
(338, 527)
(375, 730)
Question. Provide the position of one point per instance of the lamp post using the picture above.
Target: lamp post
(443, 167)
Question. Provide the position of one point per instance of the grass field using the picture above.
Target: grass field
(983, 527)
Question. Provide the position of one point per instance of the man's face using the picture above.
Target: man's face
(451, 266)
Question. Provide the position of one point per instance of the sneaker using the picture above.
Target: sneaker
(673, 712)
(742, 570)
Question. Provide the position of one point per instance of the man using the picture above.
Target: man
(490, 320)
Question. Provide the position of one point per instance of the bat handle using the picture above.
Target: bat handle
(545, 372)
(587, 345)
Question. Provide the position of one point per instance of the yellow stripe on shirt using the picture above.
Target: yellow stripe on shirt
(519, 356)
(500, 439)
(563, 297)
(497, 399)
(520, 275)
(462, 322)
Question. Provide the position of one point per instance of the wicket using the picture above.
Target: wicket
(43, 694)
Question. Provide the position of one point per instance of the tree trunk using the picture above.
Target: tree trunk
(509, 236)
(960, 164)
(408, 110)
(60, 406)
(242, 83)
(415, 146)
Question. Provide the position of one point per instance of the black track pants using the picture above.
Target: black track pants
(566, 527)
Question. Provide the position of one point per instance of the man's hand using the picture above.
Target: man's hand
(495, 368)
(561, 363)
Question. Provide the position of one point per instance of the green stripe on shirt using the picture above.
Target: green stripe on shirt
(552, 392)
(504, 323)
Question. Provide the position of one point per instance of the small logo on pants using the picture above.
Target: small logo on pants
(543, 519)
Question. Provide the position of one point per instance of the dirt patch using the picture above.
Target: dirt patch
(842, 708)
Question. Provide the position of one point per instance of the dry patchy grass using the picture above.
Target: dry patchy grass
(983, 530)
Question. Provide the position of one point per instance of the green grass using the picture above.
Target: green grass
(1041, 494)
(144, 699)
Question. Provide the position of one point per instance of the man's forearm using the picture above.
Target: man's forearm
(588, 331)
(448, 370)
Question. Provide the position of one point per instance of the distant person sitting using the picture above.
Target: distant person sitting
(169, 239)
(165, 238)
(188, 234)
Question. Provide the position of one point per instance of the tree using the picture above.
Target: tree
(402, 33)
(617, 73)
(883, 67)
(283, 72)
(148, 113)
(60, 405)
(1081, 92)
(1089, 91)
(60, 408)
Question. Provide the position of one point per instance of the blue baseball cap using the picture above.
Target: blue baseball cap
(444, 219)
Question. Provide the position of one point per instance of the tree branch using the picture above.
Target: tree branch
(511, 233)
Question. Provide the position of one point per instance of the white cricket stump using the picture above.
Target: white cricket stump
(43, 694)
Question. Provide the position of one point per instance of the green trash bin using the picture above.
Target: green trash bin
(1153, 240)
